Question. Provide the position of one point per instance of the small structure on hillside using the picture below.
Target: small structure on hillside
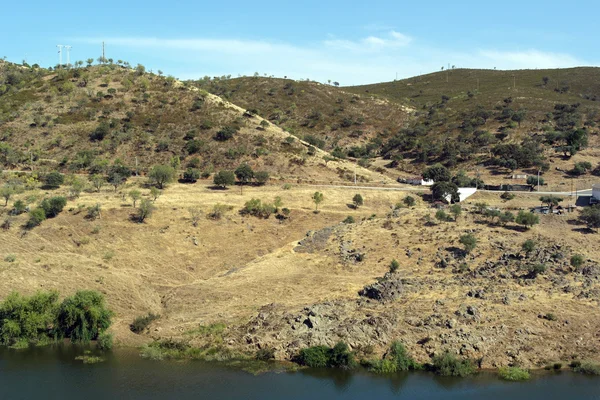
(595, 199)
(463, 194)
(416, 180)
(519, 176)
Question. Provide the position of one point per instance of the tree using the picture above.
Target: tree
(7, 192)
(135, 196)
(36, 217)
(441, 216)
(507, 217)
(551, 201)
(155, 193)
(394, 265)
(225, 134)
(161, 175)
(519, 117)
(89, 62)
(191, 175)
(261, 177)
(84, 316)
(527, 219)
(54, 179)
(437, 173)
(116, 180)
(317, 198)
(481, 207)
(409, 201)
(591, 216)
(97, 181)
(441, 191)
(53, 206)
(545, 79)
(456, 211)
(145, 210)
(357, 200)
(77, 186)
(244, 174)
(224, 178)
(469, 241)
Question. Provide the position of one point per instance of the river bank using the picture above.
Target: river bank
(124, 374)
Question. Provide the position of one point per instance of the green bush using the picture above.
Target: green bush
(53, 206)
(53, 180)
(395, 360)
(191, 175)
(140, 324)
(528, 246)
(105, 341)
(469, 241)
(40, 319)
(348, 220)
(36, 217)
(161, 175)
(449, 365)
(577, 260)
(323, 356)
(513, 374)
(261, 177)
(394, 265)
(257, 208)
(224, 178)
(84, 316)
(587, 368)
(314, 357)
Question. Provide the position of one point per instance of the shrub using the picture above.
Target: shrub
(261, 177)
(513, 374)
(84, 316)
(140, 324)
(19, 207)
(409, 201)
(161, 175)
(10, 258)
(441, 216)
(448, 364)
(105, 341)
(357, 200)
(36, 217)
(550, 317)
(224, 178)
(314, 357)
(93, 212)
(577, 260)
(145, 210)
(536, 269)
(587, 368)
(456, 210)
(527, 219)
(225, 134)
(394, 265)
(400, 357)
(218, 211)
(528, 246)
(257, 208)
(191, 175)
(591, 216)
(322, 356)
(53, 180)
(135, 196)
(26, 319)
(317, 198)
(507, 196)
(53, 206)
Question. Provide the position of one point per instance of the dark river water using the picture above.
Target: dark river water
(46, 373)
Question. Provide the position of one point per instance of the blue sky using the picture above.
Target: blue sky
(350, 43)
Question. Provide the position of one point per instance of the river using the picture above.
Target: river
(53, 373)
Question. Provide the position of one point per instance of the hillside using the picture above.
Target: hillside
(89, 118)
(488, 123)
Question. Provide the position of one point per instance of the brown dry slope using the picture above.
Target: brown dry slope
(277, 284)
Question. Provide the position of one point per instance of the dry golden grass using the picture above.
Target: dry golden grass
(225, 271)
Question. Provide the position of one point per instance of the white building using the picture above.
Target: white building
(596, 192)
(463, 194)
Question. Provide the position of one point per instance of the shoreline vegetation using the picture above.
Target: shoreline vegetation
(40, 320)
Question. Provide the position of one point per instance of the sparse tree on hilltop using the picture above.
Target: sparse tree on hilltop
(357, 200)
(317, 198)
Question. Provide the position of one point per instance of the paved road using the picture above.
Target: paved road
(586, 192)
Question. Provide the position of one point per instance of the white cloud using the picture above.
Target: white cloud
(392, 40)
(371, 59)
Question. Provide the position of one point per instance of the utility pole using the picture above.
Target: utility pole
(103, 54)
(478, 84)
(538, 180)
(60, 47)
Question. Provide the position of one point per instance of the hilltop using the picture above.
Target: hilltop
(86, 119)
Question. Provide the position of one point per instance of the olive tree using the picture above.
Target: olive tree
(357, 200)
(160, 175)
(145, 210)
(135, 196)
(317, 198)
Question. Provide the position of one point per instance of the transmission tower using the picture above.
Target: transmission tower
(68, 48)
(60, 47)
